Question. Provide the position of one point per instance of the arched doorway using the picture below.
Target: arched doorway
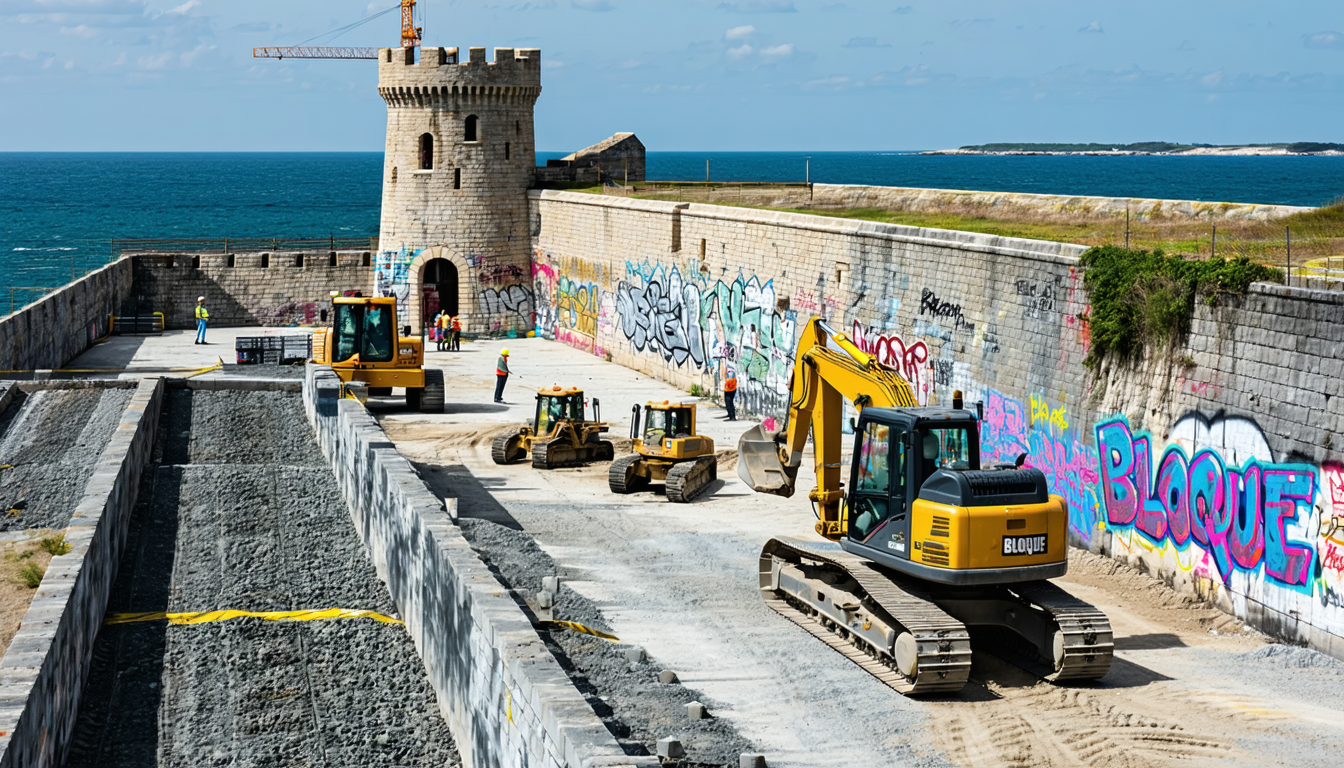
(438, 290)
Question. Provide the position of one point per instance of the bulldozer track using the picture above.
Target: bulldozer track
(499, 449)
(432, 397)
(943, 643)
(621, 479)
(689, 478)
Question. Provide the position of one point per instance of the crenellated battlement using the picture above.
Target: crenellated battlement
(441, 70)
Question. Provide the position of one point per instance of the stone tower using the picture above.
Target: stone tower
(460, 158)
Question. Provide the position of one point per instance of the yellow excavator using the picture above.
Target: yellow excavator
(668, 450)
(924, 545)
(362, 345)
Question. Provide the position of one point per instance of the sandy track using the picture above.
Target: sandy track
(1189, 685)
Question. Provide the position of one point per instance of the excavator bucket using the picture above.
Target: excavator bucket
(759, 465)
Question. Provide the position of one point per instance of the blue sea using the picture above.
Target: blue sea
(59, 211)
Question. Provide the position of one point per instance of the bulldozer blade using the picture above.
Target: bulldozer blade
(759, 465)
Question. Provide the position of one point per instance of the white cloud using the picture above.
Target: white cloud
(1094, 27)
(760, 6)
(1213, 79)
(786, 49)
(866, 42)
(737, 33)
(903, 9)
(186, 7)
(1327, 40)
(737, 53)
(596, 6)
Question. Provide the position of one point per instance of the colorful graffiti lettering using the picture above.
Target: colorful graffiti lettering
(1070, 467)
(910, 361)
(1240, 514)
(1042, 412)
(577, 305)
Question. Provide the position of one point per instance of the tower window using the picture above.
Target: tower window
(366, 261)
(471, 132)
(457, 178)
(518, 127)
(331, 259)
(298, 260)
(506, 150)
(394, 175)
(426, 152)
(231, 260)
(265, 260)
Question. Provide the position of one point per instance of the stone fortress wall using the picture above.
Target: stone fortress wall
(459, 161)
(1217, 466)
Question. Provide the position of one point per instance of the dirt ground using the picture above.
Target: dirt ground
(1189, 685)
(16, 554)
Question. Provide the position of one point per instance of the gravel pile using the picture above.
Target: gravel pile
(53, 438)
(242, 512)
(637, 708)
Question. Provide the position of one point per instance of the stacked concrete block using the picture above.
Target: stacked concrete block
(56, 328)
(459, 161)
(247, 289)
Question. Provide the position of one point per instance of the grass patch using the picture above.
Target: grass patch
(1146, 298)
(30, 575)
(55, 545)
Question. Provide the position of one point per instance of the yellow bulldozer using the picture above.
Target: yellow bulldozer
(668, 451)
(362, 346)
(560, 435)
(924, 543)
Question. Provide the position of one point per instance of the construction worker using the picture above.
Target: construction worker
(441, 330)
(730, 393)
(456, 325)
(202, 318)
(501, 374)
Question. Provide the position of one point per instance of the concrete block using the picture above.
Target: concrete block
(696, 711)
(751, 760)
(668, 677)
(670, 748)
(551, 584)
(635, 655)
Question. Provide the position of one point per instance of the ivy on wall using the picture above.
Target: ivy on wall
(1143, 299)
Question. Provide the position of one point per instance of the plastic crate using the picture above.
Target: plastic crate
(273, 350)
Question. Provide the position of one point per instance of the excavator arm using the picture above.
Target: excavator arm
(828, 369)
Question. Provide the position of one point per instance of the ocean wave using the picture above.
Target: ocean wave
(46, 249)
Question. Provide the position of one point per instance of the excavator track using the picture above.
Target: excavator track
(499, 449)
(622, 478)
(889, 628)
(1083, 643)
(688, 478)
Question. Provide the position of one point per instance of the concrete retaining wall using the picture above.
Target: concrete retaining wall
(1003, 203)
(504, 696)
(55, 329)
(43, 671)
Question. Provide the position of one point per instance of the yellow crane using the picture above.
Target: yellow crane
(924, 544)
(410, 38)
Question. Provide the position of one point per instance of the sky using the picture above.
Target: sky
(688, 75)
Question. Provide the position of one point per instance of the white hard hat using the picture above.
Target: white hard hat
(200, 298)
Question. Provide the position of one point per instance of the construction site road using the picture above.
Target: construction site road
(239, 510)
(1189, 686)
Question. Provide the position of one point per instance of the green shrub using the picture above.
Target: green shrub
(54, 545)
(30, 575)
(1146, 298)
(697, 390)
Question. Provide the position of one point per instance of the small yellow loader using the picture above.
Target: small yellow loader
(559, 435)
(362, 346)
(667, 450)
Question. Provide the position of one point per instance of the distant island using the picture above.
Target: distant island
(1146, 148)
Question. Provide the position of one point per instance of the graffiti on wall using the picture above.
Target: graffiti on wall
(1215, 495)
(510, 307)
(911, 361)
(392, 277)
(1011, 428)
(687, 320)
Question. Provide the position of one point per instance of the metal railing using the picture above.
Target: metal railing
(239, 245)
(44, 289)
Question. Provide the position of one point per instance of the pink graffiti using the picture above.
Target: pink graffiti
(1205, 389)
(1334, 481)
(579, 341)
(769, 424)
(1333, 557)
(909, 361)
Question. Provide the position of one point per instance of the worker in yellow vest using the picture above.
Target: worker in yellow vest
(202, 317)
(501, 374)
(730, 393)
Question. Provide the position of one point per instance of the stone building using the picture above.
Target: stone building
(460, 154)
(619, 158)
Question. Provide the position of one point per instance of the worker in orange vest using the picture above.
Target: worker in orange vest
(501, 374)
(456, 326)
(730, 393)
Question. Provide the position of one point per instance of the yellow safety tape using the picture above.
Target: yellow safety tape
(217, 366)
(577, 627)
(206, 617)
